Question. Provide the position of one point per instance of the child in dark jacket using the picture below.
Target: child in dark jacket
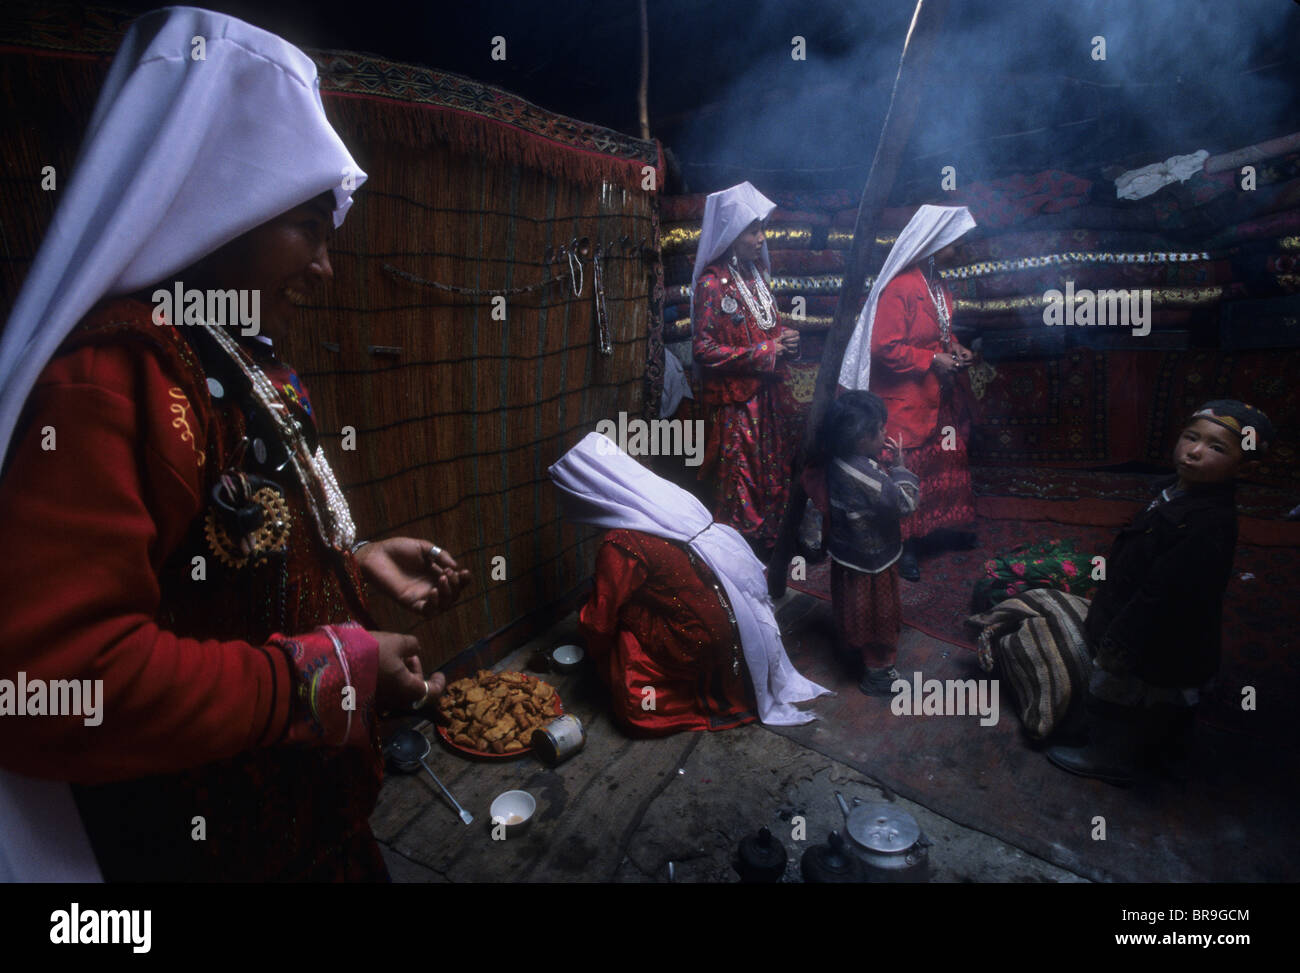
(1155, 622)
(868, 495)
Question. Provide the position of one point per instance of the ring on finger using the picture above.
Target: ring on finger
(434, 552)
(423, 699)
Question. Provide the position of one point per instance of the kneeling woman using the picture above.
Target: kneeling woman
(679, 623)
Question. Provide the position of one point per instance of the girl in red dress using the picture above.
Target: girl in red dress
(868, 494)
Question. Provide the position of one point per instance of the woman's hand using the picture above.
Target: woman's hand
(788, 342)
(963, 355)
(945, 365)
(414, 573)
(401, 683)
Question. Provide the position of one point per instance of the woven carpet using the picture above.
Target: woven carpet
(1108, 499)
(1232, 820)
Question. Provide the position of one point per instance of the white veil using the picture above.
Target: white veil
(181, 156)
(726, 215)
(604, 486)
(926, 233)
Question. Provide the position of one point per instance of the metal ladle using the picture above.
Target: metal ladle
(407, 750)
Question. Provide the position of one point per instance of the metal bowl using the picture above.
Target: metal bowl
(566, 658)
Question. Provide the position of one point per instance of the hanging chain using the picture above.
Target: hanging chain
(475, 292)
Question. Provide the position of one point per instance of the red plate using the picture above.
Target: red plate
(488, 754)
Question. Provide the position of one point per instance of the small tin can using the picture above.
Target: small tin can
(559, 739)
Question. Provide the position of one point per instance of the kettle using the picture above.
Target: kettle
(887, 841)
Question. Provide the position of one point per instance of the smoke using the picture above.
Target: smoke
(1015, 85)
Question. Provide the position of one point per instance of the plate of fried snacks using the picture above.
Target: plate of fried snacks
(494, 714)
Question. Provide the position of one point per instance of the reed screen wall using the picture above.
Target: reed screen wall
(456, 429)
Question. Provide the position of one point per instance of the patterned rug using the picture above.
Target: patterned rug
(1185, 380)
(1258, 500)
(1260, 617)
(1046, 411)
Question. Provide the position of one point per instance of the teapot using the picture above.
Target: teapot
(886, 840)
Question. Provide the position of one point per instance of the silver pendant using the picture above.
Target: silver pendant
(729, 305)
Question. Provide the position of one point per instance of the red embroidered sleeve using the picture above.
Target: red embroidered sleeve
(337, 667)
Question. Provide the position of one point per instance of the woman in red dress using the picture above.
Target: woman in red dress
(658, 628)
(184, 544)
(679, 622)
(740, 350)
(905, 351)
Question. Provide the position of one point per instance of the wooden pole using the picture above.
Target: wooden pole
(643, 88)
(918, 48)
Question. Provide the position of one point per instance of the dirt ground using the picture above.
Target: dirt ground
(622, 810)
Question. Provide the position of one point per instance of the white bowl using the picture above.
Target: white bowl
(513, 808)
(567, 657)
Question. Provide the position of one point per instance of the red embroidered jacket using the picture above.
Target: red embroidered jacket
(657, 631)
(206, 709)
(735, 355)
(904, 341)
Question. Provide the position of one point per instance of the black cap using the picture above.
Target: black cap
(1237, 416)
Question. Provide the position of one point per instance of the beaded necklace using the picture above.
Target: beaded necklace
(325, 500)
(764, 309)
(941, 308)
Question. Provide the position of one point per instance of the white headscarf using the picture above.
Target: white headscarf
(181, 156)
(726, 215)
(926, 233)
(604, 486)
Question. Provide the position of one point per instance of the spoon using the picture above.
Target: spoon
(407, 749)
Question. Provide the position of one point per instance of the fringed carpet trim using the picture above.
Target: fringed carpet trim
(483, 119)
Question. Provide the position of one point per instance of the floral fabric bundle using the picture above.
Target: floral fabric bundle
(1048, 564)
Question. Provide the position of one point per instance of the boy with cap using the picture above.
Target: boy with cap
(1155, 622)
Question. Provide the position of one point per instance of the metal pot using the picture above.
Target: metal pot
(831, 862)
(887, 840)
(760, 858)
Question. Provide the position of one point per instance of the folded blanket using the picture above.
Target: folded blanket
(1038, 640)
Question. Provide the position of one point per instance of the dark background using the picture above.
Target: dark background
(1014, 87)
